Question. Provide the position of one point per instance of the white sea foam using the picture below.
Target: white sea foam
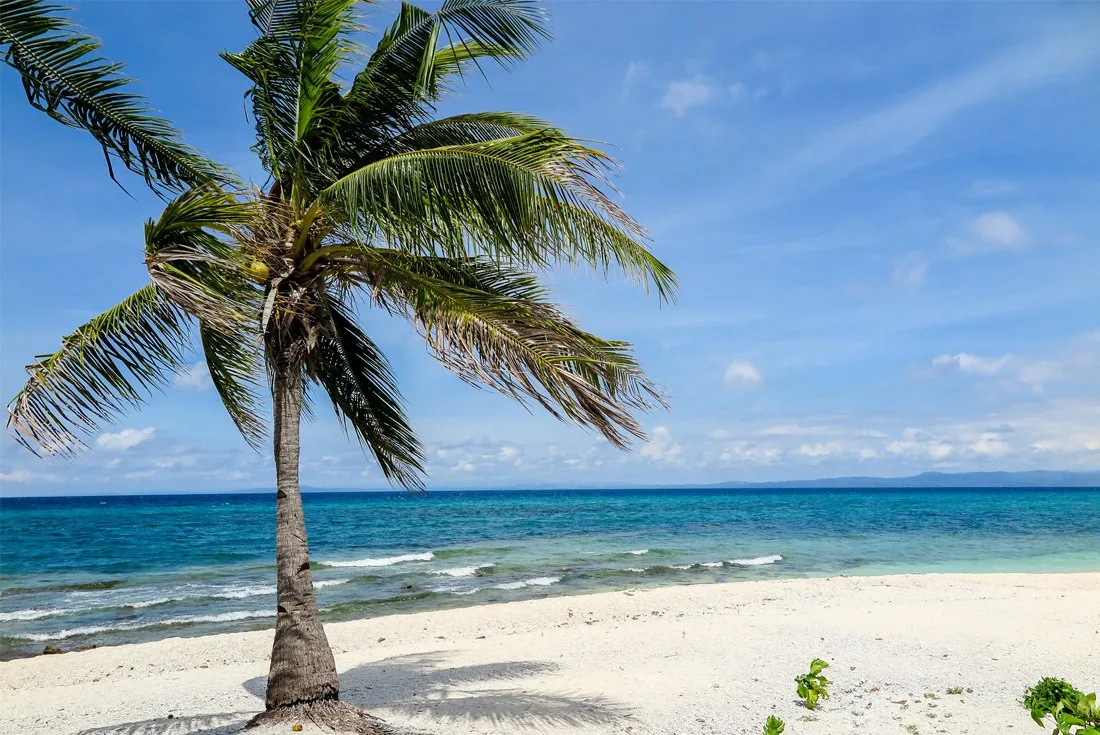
(138, 625)
(713, 564)
(384, 561)
(451, 589)
(684, 567)
(536, 582)
(150, 603)
(33, 614)
(193, 592)
(463, 571)
(636, 570)
(240, 593)
(330, 582)
(757, 561)
(638, 552)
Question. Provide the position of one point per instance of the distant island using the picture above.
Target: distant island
(1034, 478)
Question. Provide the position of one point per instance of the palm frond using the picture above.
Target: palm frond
(103, 368)
(236, 370)
(409, 70)
(408, 53)
(200, 272)
(534, 199)
(64, 77)
(292, 65)
(466, 129)
(357, 378)
(496, 327)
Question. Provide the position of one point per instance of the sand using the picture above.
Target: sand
(676, 660)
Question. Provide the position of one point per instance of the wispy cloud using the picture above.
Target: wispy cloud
(681, 96)
(1034, 374)
(990, 231)
(635, 71)
(964, 362)
(895, 128)
(983, 188)
(909, 272)
(196, 377)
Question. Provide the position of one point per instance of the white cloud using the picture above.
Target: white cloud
(737, 91)
(1036, 375)
(125, 439)
(508, 454)
(196, 377)
(750, 452)
(465, 466)
(683, 95)
(820, 449)
(915, 442)
(661, 447)
(964, 362)
(741, 374)
(910, 271)
(991, 231)
(990, 445)
(25, 475)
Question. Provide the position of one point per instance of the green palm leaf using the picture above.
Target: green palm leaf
(104, 367)
(63, 76)
(494, 326)
(533, 199)
(291, 65)
(236, 370)
(364, 393)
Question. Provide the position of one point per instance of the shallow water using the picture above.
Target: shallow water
(93, 570)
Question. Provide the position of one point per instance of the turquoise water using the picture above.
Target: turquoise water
(87, 570)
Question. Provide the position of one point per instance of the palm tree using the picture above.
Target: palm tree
(372, 201)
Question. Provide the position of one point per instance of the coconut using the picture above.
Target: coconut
(260, 271)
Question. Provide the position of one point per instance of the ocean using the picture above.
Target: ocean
(108, 570)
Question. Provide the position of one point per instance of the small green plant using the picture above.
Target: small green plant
(813, 686)
(955, 690)
(1073, 712)
(773, 726)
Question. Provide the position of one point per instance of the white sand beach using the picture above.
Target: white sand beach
(702, 659)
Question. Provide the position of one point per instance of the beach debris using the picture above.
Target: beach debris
(381, 639)
(51, 649)
(296, 728)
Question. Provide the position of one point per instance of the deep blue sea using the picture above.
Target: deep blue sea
(108, 570)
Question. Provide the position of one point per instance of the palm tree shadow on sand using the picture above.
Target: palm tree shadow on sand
(222, 724)
(423, 686)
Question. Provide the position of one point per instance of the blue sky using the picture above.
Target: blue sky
(884, 218)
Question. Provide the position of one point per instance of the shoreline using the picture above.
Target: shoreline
(185, 632)
(716, 658)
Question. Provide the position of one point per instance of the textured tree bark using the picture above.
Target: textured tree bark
(302, 666)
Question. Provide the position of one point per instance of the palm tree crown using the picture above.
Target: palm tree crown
(442, 221)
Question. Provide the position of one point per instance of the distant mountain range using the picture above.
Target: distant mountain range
(1036, 478)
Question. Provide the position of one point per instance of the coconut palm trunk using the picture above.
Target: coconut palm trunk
(302, 666)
